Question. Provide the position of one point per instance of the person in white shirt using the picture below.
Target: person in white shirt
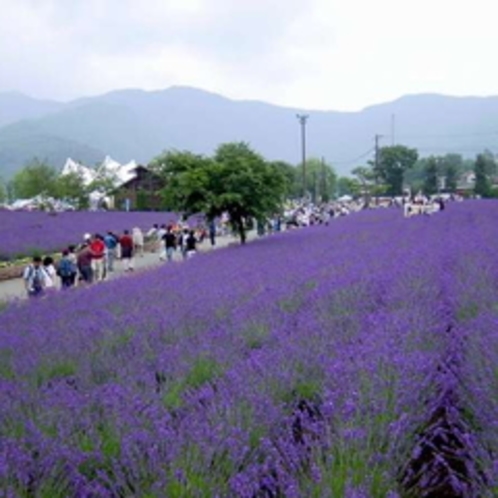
(35, 278)
(138, 241)
(51, 272)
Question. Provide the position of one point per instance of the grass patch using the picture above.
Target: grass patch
(204, 370)
(255, 335)
(6, 369)
(47, 372)
(468, 312)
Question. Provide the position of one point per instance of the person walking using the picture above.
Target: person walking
(182, 242)
(35, 278)
(84, 262)
(50, 271)
(126, 242)
(138, 242)
(97, 249)
(190, 244)
(66, 270)
(212, 232)
(159, 243)
(111, 243)
(152, 236)
(72, 257)
(169, 240)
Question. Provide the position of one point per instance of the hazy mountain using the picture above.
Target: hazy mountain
(16, 106)
(133, 124)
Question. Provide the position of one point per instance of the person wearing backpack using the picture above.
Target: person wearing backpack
(111, 243)
(66, 270)
(35, 278)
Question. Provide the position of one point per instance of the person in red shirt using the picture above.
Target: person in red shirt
(126, 242)
(97, 250)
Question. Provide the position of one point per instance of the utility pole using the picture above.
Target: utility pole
(303, 118)
(324, 182)
(377, 138)
(314, 186)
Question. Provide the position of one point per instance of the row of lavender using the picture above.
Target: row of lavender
(25, 233)
(350, 360)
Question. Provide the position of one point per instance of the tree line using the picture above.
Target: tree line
(389, 173)
(398, 168)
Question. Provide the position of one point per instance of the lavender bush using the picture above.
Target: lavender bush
(352, 360)
(25, 233)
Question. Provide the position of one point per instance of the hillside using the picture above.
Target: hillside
(134, 124)
(16, 106)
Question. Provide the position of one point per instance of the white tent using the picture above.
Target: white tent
(345, 198)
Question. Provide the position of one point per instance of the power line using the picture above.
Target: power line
(349, 161)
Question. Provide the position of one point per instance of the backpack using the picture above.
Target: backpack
(65, 268)
(34, 274)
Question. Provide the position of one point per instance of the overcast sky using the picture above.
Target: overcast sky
(319, 54)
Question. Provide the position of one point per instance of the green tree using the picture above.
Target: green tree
(71, 188)
(3, 191)
(392, 164)
(187, 182)
(482, 168)
(34, 179)
(236, 180)
(321, 180)
(451, 177)
(348, 186)
(367, 182)
(290, 174)
(431, 179)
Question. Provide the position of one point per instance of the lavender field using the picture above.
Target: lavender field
(355, 360)
(26, 233)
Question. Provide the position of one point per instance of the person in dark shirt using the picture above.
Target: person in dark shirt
(169, 240)
(191, 244)
(84, 259)
(126, 242)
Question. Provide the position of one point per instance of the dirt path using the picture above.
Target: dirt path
(12, 289)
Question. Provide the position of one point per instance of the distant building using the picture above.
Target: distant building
(142, 192)
(134, 187)
(466, 183)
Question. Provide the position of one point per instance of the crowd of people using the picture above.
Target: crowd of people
(94, 259)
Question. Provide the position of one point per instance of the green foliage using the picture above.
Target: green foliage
(450, 167)
(431, 176)
(366, 181)
(187, 180)
(292, 177)
(39, 178)
(71, 188)
(203, 371)
(36, 178)
(348, 186)
(3, 191)
(483, 168)
(392, 164)
(321, 180)
(58, 370)
(236, 180)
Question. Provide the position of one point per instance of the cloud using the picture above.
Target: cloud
(320, 53)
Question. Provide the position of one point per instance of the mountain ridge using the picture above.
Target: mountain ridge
(139, 124)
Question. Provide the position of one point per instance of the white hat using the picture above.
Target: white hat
(87, 236)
